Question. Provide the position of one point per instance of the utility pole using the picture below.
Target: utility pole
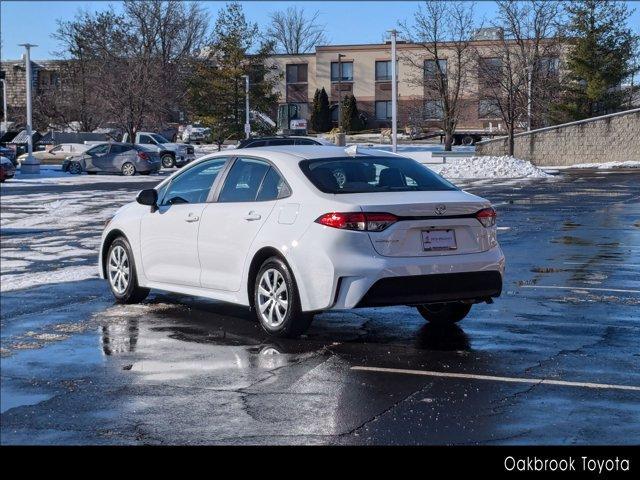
(247, 125)
(30, 164)
(394, 93)
(340, 91)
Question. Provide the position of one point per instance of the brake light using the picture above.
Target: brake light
(361, 221)
(487, 217)
(143, 156)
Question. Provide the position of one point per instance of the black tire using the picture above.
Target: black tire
(294, 322)
(167, 161)
(92, 173)
(128, 169)
(444, 313)
(75, 168)
(132, 293)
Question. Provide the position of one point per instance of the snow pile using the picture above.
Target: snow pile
(606, 165)
(491, 167)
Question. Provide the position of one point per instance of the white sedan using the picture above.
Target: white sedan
(291, 231)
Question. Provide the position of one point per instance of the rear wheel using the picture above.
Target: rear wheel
(444, 313)
(128, 169)
(276, 301)
(167, 161)
(121, 273)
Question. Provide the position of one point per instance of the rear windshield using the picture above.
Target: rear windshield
(372, 174)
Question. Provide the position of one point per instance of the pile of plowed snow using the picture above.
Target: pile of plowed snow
(491, 167)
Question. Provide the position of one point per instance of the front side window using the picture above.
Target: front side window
(194, 184)
(159, 138)
(372, 174)
(146, 139)
(243, 181)
(383, 110)
(347, 71)
(99, 149)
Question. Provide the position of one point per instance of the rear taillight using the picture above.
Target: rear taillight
(143, 156)
(487, 217)
(361, 221)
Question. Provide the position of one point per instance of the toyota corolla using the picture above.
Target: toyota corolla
(293, 231)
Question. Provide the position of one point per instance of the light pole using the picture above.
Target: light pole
(4, 105)
(247, 125)
(30, 164)
(340, 91)
(394, 94)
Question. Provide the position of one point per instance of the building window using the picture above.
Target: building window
(431, 68)
(433, 110)
(297, 73)
(383, 71)
(334, 112)
(549, 66)
(489, 108)
(383, 110)
(347, 71)
(490, 68)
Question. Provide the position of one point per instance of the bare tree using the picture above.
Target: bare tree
(516, 72)
(444, 31)
(294, 33)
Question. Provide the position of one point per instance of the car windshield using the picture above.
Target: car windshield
(372, 174)
(159, 138)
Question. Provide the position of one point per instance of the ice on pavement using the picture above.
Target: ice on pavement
(490, 167)
(33, 279)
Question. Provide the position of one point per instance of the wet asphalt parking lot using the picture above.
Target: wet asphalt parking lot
(555, 360)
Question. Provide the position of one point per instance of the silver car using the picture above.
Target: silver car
(124, 158)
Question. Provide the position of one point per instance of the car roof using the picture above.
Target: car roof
(304, 152)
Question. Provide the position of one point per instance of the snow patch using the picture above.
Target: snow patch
(491, 167)
(602, 166)
(33, 279)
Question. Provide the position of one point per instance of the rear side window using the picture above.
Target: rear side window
(305, 141)
(120, 148)
(243, 180)
(273, 187)
(281, 141)
(372, 174)
(257, 143)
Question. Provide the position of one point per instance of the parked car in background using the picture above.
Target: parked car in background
(57, 154)
(171, 154)
(291, 231)
(196, 134)
(282, 140)
(124, 158)
(7, 169)
(9, 153)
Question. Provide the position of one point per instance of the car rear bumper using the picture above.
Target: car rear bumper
(423, 289)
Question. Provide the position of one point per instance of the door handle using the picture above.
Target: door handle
(251, 216)
(192, 218)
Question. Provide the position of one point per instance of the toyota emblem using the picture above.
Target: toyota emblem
(441, 209)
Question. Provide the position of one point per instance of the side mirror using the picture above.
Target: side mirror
(148, 197)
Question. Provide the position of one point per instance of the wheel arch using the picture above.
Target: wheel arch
(258, 259)
(167, 152)
(108, 240)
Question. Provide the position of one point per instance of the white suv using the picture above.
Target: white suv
(290, 231)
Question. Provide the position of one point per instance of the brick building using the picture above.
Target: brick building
(366, 73)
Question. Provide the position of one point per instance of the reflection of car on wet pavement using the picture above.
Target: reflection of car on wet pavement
(291, 231)
(124, 158)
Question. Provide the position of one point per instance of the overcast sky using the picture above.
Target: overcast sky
(346, 22)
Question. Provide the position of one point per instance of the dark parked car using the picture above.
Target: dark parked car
(9, 153)
(7, 169)
(279, 141)
(124, 158)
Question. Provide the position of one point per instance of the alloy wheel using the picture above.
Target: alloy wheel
(128, 169)
(273, 298)
(119, 269)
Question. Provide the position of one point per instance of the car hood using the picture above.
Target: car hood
(174, 146)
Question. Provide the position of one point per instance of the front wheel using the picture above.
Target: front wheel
(276, 301)
(444, 313)
(121, 273)
(167, 161)
(128, 169)
(75, 168)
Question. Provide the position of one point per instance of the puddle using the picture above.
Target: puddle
(12, 398)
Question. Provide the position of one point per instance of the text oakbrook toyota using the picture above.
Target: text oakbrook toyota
(292, 231)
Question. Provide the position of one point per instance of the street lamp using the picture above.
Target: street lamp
(394, 94)
(30, 164)
(247, 125)
(340, 91)
(529, 70)
(4, 104)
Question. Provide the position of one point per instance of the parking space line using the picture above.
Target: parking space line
(471, 376)
(617, 290)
